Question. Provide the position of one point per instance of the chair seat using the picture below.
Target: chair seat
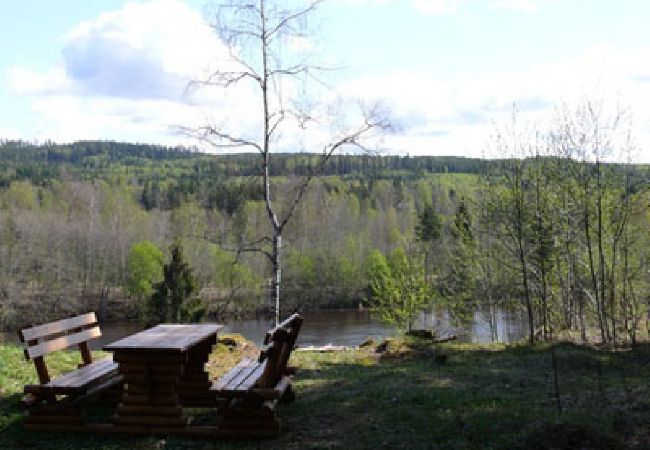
(78, 381)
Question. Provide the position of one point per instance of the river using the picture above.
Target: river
(353, 327)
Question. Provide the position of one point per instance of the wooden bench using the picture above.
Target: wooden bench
(251, 390)
(57, 401)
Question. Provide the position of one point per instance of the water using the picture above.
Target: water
(353, 327)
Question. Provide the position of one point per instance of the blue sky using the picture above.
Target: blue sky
(448, 69)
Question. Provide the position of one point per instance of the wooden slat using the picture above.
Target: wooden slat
(54, 419)
(62, 342)
(172, 338)
(77, 381)
(282, 326)
(98, 389)
(165, 421)
(250, 381)
(232, 373)
(244, 375)
(138, 410)
(86, 375)
(60, 326)
(148, 358)
(273, 393)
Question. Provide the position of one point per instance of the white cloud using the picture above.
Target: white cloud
(123, 76)
(126, 73)
(7, 134)
(440, 7)
(436, 6)
(528, 6)
(450, 116)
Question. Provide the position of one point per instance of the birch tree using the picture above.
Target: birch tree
(260, 35)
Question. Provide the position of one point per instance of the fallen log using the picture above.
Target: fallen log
(453, 337)
(425, 334)
(324, 348)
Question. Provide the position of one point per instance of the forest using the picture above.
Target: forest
(559, 234)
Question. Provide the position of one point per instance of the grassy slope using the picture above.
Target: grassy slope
(418, 396)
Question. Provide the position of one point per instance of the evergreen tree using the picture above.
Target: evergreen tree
(172, 299)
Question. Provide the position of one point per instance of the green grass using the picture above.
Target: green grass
(417, 395)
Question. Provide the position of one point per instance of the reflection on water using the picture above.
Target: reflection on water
(485, 325)
(353, 327)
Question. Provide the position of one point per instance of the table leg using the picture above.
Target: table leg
(194, 385)
(149, 395)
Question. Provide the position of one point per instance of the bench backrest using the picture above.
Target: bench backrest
(40, 340)
(281, 341)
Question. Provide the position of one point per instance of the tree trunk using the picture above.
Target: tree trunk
(277, 275)
(524, 268)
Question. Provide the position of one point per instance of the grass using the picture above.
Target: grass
(414, 395)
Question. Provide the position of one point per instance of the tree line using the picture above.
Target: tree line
(562, 237)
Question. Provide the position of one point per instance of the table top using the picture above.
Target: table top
(165, 338)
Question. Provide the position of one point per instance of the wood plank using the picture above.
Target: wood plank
(138, 410)
(63, 342)
(247, 413)
(240, 378)
(97, 390)
(78, 381)
(84, 376)
(148, 358)
(155, 390)
(232, 373)
(250, 381)
(60, 326)
(287, 323)
(53, 409)
(150, 379)
(174, 338)
(152, 421)
(54, 419)
(147, 400)
(169, 370)
(272, 393)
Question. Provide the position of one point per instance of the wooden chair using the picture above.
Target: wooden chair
(57, 401)
(251, 390)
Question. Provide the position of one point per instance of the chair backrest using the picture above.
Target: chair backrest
(281, 341)
(40, 340)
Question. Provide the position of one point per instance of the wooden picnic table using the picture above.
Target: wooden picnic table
(164, 371)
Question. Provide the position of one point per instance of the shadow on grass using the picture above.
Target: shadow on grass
(434, 396)
(474, 398)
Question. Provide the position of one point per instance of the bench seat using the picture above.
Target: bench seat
(240, 382)
(78, 381)
(251, 390)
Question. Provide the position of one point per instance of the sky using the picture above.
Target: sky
(449, 71)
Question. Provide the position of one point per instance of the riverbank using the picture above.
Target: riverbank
(415, 395)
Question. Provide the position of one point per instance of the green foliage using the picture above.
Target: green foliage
(458, 284)
(429, 226)
(172, 299)
(71, 216)
(145, 268)
(398, 288)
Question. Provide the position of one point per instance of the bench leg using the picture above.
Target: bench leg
(288, 396)
(243, 417)
(48, 414)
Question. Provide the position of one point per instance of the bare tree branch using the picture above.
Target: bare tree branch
(285, 22)
(208, 133)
